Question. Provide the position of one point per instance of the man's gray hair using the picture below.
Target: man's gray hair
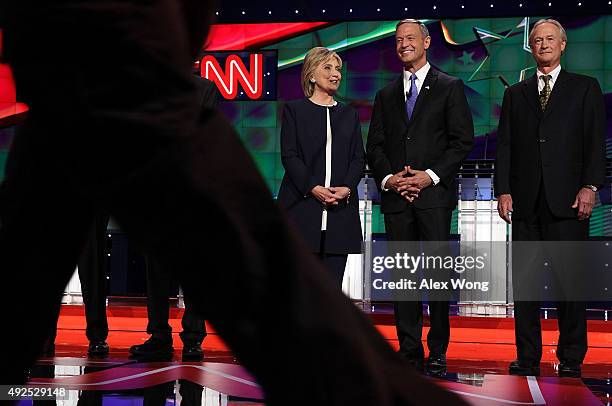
(422, 26)
(549, 21)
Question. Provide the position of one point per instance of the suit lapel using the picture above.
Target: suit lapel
(426, 89)
(399, 99)
(530, 89)
(557, 92)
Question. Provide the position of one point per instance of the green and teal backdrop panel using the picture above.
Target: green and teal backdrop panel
(486, 53)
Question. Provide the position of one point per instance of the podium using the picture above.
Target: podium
(476, 219)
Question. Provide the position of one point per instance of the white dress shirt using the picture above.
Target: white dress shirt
(554, 75)
(421, 74)
(328, 157)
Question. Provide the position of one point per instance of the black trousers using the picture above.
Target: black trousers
(92, 275)
(572, 343)
(334, 263)
(420, 225)
(158, 308)
(91, 268)
(122, 130)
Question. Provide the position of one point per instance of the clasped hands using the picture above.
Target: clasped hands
(408, 187)
(330, 196)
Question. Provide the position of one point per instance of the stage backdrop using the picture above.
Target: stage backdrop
(488, 54)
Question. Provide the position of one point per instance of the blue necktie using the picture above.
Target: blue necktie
(411, 96)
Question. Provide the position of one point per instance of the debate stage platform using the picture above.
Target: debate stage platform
(478, 357)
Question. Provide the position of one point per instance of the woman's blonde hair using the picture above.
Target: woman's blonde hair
(315, 57)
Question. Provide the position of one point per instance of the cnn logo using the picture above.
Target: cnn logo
(235, 75)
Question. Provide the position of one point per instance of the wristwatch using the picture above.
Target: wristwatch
(592, 187)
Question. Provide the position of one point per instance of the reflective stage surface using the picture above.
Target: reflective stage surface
(118, 380)
(478, 357)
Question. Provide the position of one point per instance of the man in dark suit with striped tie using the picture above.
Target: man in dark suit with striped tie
(550, 164)
(420, 132)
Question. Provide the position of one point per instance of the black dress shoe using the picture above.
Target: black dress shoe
(192, 352)
(436, 363)
(524, 368)
(97, 348)
(569, 370)
(154, 347)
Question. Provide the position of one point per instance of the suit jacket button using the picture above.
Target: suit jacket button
(407, 138)
(541, 140)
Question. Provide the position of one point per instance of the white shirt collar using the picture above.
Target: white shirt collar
(554, 75)
(421, 74)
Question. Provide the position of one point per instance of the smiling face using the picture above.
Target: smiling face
(410, 45)
(327, 76)
(547, 45)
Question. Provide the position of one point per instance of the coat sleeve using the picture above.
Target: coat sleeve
(375, 145)
(291, 156)
(357, 160)
(502, 155)
(460, 129)
(594, 147)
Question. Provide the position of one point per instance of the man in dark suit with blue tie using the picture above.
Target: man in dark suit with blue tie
(550, 163)
(420, 132)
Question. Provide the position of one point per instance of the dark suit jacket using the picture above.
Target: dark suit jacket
(564, 146)
(438, 137)
(303, 139)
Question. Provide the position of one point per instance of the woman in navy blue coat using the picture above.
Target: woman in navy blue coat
(323, 156)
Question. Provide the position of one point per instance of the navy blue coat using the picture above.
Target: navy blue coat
(303, 139)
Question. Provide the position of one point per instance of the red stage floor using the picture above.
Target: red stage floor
(478, 354)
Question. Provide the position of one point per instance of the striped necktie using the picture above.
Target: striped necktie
(545, 93)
